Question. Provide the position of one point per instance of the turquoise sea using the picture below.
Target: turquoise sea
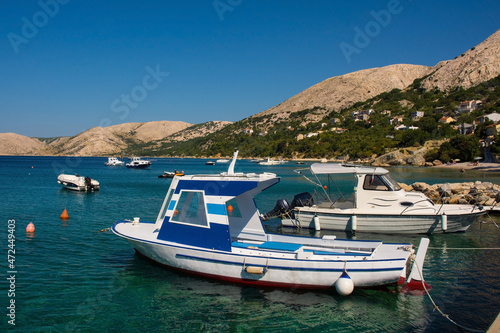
(69, 277)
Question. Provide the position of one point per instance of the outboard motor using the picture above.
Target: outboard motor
(282, 207)
(304, 199)
(88, 184)
(88, 181)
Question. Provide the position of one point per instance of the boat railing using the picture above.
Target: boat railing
(417, 202)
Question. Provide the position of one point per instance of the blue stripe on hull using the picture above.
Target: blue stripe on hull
(289, 268)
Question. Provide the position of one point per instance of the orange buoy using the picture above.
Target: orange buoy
(324, 187)
(229, 209)
(30, 227)
(64, 215)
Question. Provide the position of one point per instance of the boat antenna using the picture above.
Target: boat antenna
(230, 170)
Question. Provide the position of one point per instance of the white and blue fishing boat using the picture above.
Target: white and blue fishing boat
(209, 225)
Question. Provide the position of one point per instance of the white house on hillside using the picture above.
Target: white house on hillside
(416, 115)
(468, 106)
(494, 117)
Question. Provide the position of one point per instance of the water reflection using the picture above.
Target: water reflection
(186, 302)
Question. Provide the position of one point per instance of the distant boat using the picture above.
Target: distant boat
(138, 163)
(210, 163)
(222, 161)
(113, 161)
(78, 183)
(170, 174)
(270, 161)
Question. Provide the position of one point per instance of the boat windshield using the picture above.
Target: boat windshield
(380, 183)
(391, 182)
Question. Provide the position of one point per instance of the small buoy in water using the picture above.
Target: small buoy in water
(324, 187)
(344, 284)
(229, 209)
(30, 227)
(64, 215)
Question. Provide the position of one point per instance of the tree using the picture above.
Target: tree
(463, 147)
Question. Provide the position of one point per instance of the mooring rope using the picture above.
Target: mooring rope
(437, 307)
(299, 172)
(464, 248)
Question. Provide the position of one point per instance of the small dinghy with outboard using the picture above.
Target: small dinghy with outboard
(78, 183)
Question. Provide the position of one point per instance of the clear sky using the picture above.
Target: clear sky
(70, 65)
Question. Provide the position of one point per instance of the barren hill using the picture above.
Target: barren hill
(150, 131)
(112, 140)
(198, 130)
(15, 144)
(479, 64)
(96, 141)
(345, 90)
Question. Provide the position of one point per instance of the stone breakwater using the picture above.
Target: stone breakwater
(482, 193)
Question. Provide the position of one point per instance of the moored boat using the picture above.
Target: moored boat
(113, 161)
(271, 161)
(171, 174)
(138, 163)
(78, 183)
(209, 225)
(378, 205)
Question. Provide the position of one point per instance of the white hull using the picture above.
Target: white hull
(285, 271)
(381, 223)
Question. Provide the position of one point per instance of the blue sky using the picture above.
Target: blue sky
(70, 65)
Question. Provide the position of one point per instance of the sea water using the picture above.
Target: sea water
(70, 277)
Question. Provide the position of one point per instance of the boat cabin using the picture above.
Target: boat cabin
(373, 186)
(210, 211)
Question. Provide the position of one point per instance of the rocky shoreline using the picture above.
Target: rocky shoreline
(481, 193)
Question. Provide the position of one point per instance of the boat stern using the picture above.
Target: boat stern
(415, 283)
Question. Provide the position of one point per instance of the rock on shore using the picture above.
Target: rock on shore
(482, 193)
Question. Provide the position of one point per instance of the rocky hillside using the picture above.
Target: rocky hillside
(15, 144)
(343, 91)
(112, 140)
(198, 130)
(479, 64)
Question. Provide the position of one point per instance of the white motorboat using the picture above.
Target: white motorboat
(113, 161)
(78, 183)
(222, 161)
(210, 226)
(271, 161)
(378, 205)
(138, 163)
